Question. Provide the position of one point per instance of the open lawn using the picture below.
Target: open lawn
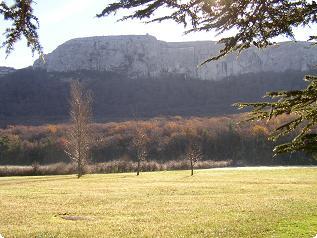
(252, 202)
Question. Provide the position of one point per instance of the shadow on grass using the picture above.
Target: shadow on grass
(35, 180)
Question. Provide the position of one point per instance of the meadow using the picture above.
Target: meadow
(227, 202)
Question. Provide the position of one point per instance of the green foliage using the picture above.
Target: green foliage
(10, 148)
(4, 146)
(301, 105)
(4, 141)
(23, 23)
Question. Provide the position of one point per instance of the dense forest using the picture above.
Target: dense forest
(33, 97)
(220, 138)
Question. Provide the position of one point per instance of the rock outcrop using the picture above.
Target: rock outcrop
(143, 56)
(6, 70)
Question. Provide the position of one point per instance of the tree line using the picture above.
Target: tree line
(255, 23)
(167, 139)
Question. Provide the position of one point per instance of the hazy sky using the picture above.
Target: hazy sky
(62, 20)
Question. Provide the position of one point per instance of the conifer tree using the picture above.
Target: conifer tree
(253, 23)
(23, 23)
(301, 105)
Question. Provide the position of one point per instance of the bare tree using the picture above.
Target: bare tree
(140, 142)
(79, 138)
(194, 154)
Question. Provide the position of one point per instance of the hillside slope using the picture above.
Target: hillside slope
(35, 96)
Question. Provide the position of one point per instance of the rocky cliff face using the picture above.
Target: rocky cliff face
(146, 57)
(6, 70)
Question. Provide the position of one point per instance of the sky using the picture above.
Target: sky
(62, 20)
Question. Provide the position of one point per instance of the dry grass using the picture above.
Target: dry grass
(252, 202)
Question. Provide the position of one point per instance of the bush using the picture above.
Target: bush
(118, 166)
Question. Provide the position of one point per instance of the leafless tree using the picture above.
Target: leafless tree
(79, 138)
(140, 144)
(194, 154)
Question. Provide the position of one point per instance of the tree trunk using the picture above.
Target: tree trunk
(79, 170)
(138, 170)
(192, 167)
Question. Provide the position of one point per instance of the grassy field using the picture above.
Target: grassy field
(250, 202)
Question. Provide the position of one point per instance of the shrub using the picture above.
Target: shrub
(118, 166)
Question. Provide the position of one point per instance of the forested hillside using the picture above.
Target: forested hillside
(30, 96)
(220, 138)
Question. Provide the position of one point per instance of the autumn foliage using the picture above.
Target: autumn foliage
(167, 139)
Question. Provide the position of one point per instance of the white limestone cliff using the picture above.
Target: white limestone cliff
(6, 70)
(141, 56)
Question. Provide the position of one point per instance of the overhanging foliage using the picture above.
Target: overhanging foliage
(254, 23)
(302, 105)
(23, 23)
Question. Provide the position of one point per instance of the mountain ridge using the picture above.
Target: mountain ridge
(6, 70)
(143, 56)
